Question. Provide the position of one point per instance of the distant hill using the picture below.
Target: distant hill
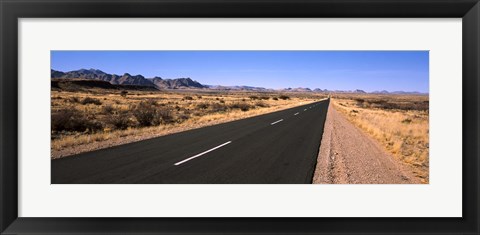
(177, 83)
(95, 74)
(380, 92)
(298, 89)
(398, 92)
(127, 79)
(237, 88)
(359, 91)
(319, 90)
(87, 84)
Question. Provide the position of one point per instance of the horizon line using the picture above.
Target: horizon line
(285, 88)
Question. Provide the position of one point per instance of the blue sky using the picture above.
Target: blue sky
(333, 70)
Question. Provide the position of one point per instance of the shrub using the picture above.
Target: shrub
(252, 97)
(182, 118)
(359, 100)
(120, 121)
(93, 126)
(401, 105)
(74, 99)
(151, 102)
(203, 106)
(261, 104)
(265, 97)
(89, 100)
(123, 93)
(146, 114)
(108, 109)
(245, 107)
(381, 102)
(218, 107)
(242, 106)
(149, 115)
(197, 113)
(235, 106)
(61, 119)
(73, 120)
(188, 98)
(165, 115)
(284, 97)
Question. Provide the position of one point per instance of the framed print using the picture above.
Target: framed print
(239, 117)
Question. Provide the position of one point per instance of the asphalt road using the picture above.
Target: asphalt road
(275, 148)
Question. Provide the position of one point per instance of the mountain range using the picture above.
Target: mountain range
(183, 83)
(127, 79)
(237, 88)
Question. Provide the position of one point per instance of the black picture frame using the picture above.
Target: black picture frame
(12, 10)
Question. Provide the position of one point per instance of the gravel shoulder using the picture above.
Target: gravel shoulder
(349, 156)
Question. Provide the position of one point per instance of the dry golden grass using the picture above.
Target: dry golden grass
(185, 110)
(399, 123)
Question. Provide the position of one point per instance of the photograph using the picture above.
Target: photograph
(239, 117)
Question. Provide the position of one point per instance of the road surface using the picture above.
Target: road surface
(274, 148)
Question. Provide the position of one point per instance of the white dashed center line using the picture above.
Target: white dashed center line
(200, 154)
(305, 110)
(273, 123)
(296, 114)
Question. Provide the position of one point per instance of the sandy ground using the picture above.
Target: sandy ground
(349, 156)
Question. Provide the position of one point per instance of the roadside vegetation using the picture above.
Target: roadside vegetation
(399, 122)
(82, 120)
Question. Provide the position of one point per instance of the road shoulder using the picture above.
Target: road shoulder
(349, 156)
